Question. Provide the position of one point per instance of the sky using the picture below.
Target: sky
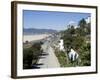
(51, 19)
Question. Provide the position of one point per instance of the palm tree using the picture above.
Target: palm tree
(82, 23)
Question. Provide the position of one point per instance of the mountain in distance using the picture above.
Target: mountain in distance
(32, 31)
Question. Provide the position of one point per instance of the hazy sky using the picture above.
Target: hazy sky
(51, 20)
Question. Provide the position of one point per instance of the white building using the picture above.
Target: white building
(88, 19)
(73, 55)
(61, 45)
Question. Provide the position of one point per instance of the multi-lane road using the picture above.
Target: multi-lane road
(48, 59)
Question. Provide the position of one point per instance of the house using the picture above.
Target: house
(73, 55)
(61, 45)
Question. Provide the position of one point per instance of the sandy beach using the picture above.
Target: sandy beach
(34, 37)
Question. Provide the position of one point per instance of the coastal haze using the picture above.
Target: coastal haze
(36, 34)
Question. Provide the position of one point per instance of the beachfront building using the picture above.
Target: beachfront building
(73, 55)
(61, 45)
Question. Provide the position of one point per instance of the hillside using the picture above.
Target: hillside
(31, 31)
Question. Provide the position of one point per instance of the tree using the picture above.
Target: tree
(82, 27)
(72, 30)
(76, 38)
(82, 23)
(85, 55)
(27, 58)
(31, 55)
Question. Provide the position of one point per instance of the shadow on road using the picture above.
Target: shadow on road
(44, 54)
(35, 66)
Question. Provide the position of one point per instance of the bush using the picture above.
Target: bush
(31, 55)
(85, 55)
(79, 39)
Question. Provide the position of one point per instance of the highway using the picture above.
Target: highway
(48, 59)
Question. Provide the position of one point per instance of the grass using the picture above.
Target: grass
(63, 59)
